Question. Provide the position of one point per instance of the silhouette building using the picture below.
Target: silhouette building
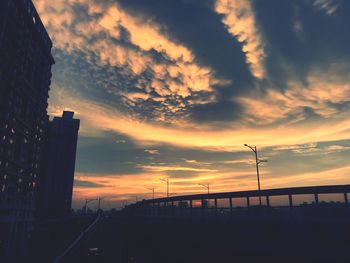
(56, 183)
(25, 77)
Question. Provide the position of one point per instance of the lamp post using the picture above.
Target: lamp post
(99, 203)
(206, 186)
(257, 162)
(167, 186)
(88, 201)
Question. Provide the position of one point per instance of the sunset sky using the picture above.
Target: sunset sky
(175, 88)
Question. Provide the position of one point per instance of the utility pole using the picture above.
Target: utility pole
(257, 162)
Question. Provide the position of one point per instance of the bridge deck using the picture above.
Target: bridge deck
(315, 190)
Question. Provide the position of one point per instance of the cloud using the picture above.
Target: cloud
(195, 162)
(135, 96)
(136, 45)
(313, 149)
(153, 152)
(155, 168)
(120, 141)
(322, 94)
(339, 176)
(96, 119)
(301, 148)
(85, 184)
(239, 19)
(336, 148)
(239, 161)
(328, 6)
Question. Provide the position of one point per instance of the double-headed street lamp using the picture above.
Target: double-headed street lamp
(167, 186)
(257, 162)
(206, 186)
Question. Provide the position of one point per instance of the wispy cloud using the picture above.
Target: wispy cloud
(195, 162)
(336, 148)
(313, 149)
(239, 161)
(322, 95)
(152, 151)
(301, 148)
(328, 6)
(239, 18)
(155, 168)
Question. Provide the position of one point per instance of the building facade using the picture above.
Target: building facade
(56, 183)
(25, 77)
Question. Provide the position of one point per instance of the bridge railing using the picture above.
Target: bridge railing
(282, 202)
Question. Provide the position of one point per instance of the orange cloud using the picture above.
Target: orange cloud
(97, 119)
(125, 186)
(322, 92)
(134, 96)
(155, 168)
(239, 19)
(97, 34)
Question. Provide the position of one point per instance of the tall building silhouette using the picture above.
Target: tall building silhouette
(25, 73)
(56, 182)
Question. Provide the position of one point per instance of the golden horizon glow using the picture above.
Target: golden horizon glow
(123, 187)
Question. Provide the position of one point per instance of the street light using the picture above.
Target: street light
(99, 202)
(88, 201)
(257, 162)
(206, 186)
(167, 185)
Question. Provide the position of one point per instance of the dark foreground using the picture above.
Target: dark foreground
(213, 240)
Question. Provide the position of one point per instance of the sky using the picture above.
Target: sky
(174, 89)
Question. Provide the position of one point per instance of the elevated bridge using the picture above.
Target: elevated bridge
(320, 202)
